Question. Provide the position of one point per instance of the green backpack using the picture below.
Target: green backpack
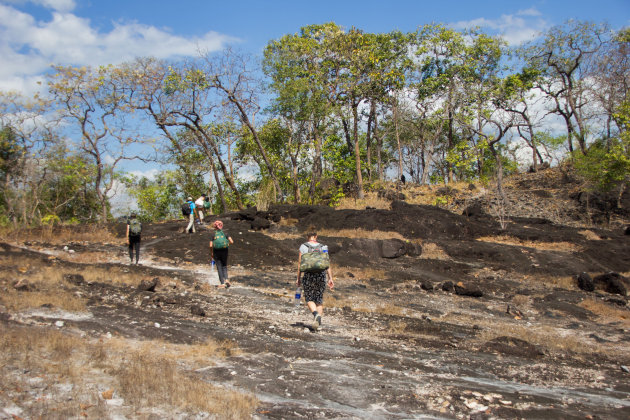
(220, 240)
(135, 227)
(315, 260)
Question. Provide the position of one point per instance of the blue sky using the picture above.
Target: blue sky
(37, 33)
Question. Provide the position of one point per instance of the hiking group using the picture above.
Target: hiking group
(314, 271)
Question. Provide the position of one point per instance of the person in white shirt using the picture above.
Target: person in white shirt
(314, 283)
(199, 207)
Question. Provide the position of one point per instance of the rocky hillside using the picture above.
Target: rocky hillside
(436, 313)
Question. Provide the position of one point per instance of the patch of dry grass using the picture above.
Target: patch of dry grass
(289, 221)
(62, 234)
(360, 233)
(432, 251)
(397, 327)
(145, 374)
(371, 199)
(543, 246)
(358, 275)
(606, 311)
(281, 236)
(563, 282)
(590, 235)
(15, 300)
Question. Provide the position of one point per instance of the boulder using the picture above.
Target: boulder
(468, 291)
(448, 286)
(391, 195)
(197, 310)
(425, 285)
(585, 282)
(148, 285)
(77, 279)
(392, 248)
(612, 283)
(259, 223)
(475, 209)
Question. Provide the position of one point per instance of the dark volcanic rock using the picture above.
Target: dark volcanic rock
(585, 282)
(259, 223)
(612, 283)
(514, 347)
(466, 291)
(148, 285)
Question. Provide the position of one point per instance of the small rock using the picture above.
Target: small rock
(59, 324)
(157, 325)
(108, 395)
(197, 310)
(148, 286)
(625, 369)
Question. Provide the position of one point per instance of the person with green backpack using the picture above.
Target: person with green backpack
(219, 252)
(314, 262)
(134, 229)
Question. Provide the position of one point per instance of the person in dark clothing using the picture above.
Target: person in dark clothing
(219, 252)
(134, 228)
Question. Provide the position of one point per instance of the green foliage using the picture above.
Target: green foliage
(157, 199)
(607, 163)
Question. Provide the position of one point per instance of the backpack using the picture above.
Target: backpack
(220, 240)
(186, 209)
(135, 227)
(315, 260)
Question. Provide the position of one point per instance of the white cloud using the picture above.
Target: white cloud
(29, 46)
(516, 29)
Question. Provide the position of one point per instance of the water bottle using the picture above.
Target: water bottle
(213, 263)
(298, 296)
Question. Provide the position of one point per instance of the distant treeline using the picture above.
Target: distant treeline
(325, 105)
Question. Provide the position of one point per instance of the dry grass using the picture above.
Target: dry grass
(371, 199)
(563, 282)
(590, 235)
(432, 251)
(397, 327)
(61, 299)
(358, 275)
(149, 374)
(607, 312)
(281, 236)
(289, 221)
(543, 246)
(360, 233)
(61, 234)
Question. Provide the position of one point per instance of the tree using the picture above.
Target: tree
(565, 58)
(93, 101)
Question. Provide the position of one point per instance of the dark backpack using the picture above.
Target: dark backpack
(220, 240)
(315, 260)
(186, 209)
(135, 227)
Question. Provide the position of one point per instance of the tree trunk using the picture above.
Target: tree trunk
(357, 150)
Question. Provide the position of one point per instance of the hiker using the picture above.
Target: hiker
(199, 207)
(313, 283)
(134, 228)
(219, 252)
(191, 215)
(207, 205)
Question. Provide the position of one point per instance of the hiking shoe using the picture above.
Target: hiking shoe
(317, 322)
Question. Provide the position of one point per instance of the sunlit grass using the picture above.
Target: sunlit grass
(543, 246)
